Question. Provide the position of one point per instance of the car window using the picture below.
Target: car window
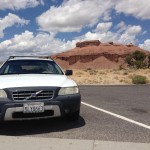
(30, 67)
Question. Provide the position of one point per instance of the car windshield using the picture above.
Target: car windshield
(30, 67)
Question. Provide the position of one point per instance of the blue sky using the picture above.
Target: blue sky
(46, 27)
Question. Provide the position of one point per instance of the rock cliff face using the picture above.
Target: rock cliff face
(96, 55)
(88, 43)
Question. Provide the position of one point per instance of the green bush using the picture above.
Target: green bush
(138, 79)
(136, 60)
(139, 56)
(139, 64)
(129, 60)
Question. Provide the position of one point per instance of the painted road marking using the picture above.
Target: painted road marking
(118, 116)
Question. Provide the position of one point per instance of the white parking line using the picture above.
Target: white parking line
(117, 116)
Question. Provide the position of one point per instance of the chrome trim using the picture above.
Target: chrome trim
(33, 95)
(27, 95)
(10, 111)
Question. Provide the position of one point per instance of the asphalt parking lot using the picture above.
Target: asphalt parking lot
(108, 113)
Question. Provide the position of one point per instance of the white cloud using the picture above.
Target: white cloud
(103, 37)
(104, 27)
(9, 21)
(73, 15)
(120, 27)
(137, 8)
(19, 4)
(145, 45)
(127, 35)
(133, 30)
(29, 44)
(130, 34)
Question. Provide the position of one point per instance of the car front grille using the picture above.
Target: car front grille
(33, 95)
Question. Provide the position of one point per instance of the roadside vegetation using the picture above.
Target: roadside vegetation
(138, 79)
(138, 60)
(111, 77)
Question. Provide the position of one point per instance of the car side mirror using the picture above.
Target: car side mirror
(68, 72)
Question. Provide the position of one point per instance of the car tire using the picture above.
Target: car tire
(72, 116)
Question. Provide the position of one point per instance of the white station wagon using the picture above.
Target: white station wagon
(34, 88)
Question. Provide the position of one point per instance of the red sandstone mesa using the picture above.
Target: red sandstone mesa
(96, 55)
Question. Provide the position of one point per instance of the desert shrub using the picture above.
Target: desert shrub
(122, 80)
(136, 60)
(125, 73)
(138, 79)
(121, 67)
(78, 72)
(93, 72)
(129, 60)
(88, 69)
(102, 72)
(139, 64)
(139, 56)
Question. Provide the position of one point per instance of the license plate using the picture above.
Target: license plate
(33, 107)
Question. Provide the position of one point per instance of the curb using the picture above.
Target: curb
(36, 143)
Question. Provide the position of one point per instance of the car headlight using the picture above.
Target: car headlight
(68, 90)
(3, 94)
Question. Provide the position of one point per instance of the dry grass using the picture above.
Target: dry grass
(108, 77)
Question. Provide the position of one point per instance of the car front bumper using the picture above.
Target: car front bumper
(59, 106)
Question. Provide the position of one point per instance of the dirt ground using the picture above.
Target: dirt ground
(108, 77)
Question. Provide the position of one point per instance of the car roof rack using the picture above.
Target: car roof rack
(46, 57)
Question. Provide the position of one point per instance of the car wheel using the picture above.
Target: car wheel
(72, 116)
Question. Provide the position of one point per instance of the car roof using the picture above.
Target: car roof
(29, 58)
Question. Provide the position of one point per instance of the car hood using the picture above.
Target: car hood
(30, 80)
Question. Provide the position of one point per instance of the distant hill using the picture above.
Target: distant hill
(96, 55)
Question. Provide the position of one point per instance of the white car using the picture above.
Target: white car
(34, 88)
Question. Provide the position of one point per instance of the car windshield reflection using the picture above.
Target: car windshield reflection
(30, 67)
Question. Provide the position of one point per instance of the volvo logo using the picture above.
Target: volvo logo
(33, 95)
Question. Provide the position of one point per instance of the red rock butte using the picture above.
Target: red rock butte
(96, 55)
